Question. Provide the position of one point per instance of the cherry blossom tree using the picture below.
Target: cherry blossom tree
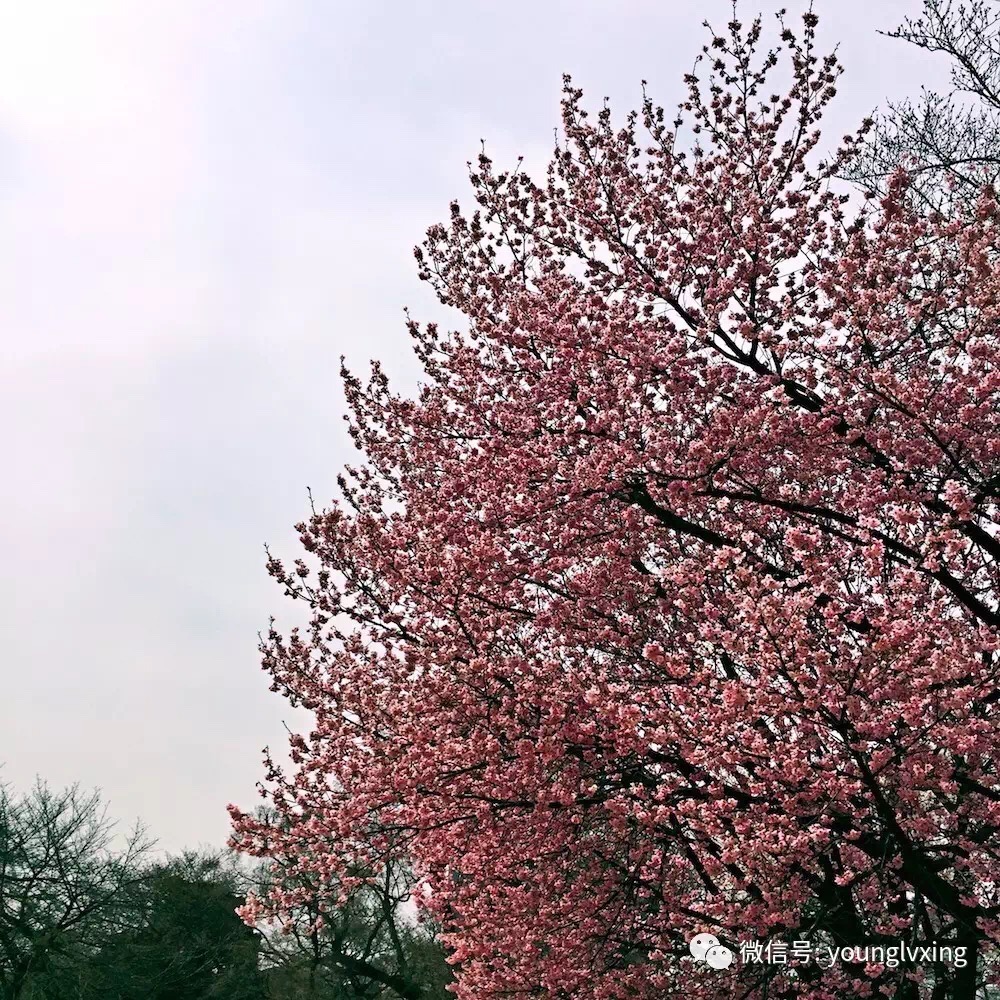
(669, 605)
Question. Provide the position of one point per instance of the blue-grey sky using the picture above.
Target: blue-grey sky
(202, 206)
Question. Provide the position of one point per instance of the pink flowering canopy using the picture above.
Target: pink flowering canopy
(669, 605)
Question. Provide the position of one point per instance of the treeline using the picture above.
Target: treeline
(86, 914)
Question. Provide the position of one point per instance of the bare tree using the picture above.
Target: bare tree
(949, 142)
(368, 946)
(64, 887)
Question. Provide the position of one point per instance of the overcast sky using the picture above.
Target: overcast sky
(202, 206)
